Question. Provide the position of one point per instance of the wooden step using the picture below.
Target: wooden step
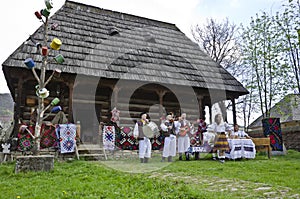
(93, 157)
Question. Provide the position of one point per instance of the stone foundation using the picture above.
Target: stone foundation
(34, 163)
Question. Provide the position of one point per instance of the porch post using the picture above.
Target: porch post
(17, 106)
(210, 114)
(233, 110)
(70, 113)
(200, 104)
(116, 91)
(19, 97)
(161, 94)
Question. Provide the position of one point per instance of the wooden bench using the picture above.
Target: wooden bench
(262, 144)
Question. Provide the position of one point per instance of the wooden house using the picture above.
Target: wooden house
(114, 59)
(288, 111)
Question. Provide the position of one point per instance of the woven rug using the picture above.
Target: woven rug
(158, 142)
(109, 137)
(25, 141)
(125, 139)
(66, 134)
(48, 138)
(272, 129)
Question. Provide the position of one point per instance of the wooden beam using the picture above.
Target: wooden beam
(233, 110)
(200, 104)
(116, 90)
(210, 115)
(70, 113)
(161, 94)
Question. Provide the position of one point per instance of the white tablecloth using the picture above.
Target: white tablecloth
(241, 148)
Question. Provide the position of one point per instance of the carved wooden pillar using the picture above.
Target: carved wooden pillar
(19, 97)
(200, 104)
(161, 94)
(70, 113)
(17, 106)
(210, 114)
(233, 110)
(116, 91)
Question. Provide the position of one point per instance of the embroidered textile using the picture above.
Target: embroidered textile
(48, 138)
(67, 135)
(25, 141)
(158, 142)
(109, 137)
(221, 143)
(241, 148)
(125, 139)
(272, 129)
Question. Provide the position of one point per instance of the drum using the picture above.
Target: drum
(150, 130)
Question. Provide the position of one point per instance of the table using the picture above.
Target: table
(241, 148)
(262, 144)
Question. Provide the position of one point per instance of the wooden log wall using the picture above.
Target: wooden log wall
(144, 99)
(30, 99)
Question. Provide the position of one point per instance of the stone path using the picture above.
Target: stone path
(244, 188)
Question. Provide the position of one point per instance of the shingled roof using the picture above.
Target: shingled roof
(99, 42)
(287, 109)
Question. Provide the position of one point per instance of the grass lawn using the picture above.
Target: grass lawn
(259, 178)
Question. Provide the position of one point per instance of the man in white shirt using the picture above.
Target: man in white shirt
(184, 137)
(238, 133)
(144, 142)
(170, 129)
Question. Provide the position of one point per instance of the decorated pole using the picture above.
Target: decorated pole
(41, 90)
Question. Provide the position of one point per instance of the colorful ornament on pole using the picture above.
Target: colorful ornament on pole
(44, 50)
(55, 44)
(49, 4)
(56, 109)
(55, 101)
(42, 93)
(45, 12)
(59, 59)
(38, 15)
(38, 46)
(29, 63)
(56, 73)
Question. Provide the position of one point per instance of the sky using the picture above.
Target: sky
(18, 20)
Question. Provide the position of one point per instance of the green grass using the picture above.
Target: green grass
(180, 179)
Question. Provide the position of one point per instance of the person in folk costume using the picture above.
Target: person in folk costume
(199, 135)
(144, 142)
(184, 137)
(170, 129)
(237, 133)
(221, 129)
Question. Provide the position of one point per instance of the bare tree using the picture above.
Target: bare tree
(220, 41)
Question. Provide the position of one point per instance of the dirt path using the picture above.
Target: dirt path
(245, 189)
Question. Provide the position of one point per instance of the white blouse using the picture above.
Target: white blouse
(222, 127)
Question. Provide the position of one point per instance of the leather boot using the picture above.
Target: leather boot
(146, 160)
(142, 160)
(197, 155)
(187, 156)
(163, 159)
(180, 156)
(170, 159)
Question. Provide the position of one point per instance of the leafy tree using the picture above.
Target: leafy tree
(289, 27)
(262, 54)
